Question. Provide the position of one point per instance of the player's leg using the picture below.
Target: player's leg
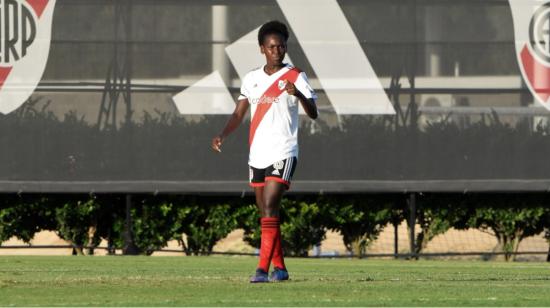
(278, 178)
(259, 192)
(268, 199)
(269, 209)
(257, 181)
(269, 186)
(277, 181)
(273, 193)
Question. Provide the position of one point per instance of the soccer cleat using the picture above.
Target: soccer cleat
(278, 274)
(260, 276)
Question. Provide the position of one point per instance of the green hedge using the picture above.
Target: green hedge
(199, 222)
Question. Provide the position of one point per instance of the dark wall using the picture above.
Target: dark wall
(55, 142)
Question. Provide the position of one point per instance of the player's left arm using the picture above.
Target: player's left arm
(307, 103)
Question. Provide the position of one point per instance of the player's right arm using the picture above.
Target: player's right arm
(234, 121)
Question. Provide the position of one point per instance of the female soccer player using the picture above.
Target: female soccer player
(273, 92)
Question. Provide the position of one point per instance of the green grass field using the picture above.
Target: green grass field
(223, 281)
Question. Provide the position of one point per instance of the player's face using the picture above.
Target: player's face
(274, 49)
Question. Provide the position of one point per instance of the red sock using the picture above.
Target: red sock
(278, 260)
(270, 225)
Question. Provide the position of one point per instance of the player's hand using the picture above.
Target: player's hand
(217, 143)
(290, 88)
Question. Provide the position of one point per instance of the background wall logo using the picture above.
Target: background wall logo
(326, 37)
(539, 31)
(25, 39)
(532, 42)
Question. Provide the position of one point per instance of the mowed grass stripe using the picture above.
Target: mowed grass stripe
(223, 281)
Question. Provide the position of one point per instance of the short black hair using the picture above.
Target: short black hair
(272, 27)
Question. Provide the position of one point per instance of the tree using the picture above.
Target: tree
(436, 214)
(248, 218)
(302, 225)
(23, 216)
(359, 218)
(77, 221)
(110, 221)
(510, 218)
(546, 223)
(155, 221)
(205, 221)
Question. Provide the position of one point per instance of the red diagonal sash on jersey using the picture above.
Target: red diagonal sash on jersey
(263, 108)
(537, 73)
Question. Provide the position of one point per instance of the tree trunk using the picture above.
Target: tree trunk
(78, 251)
(91, 243)
(356, 248)
(111, 250)
(422, 240)
(515, 244)
(499, 248)
(508, 249)
(129, 247)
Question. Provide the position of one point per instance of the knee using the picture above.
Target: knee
(271, 209)
(260, 203)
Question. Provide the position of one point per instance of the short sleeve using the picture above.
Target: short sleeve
(302, 84)
(245, 93)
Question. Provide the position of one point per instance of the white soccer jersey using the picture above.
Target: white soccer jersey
(274, 122)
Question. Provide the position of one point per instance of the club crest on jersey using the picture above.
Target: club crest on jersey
(532, 42)
(25, 32)
(281, 84)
